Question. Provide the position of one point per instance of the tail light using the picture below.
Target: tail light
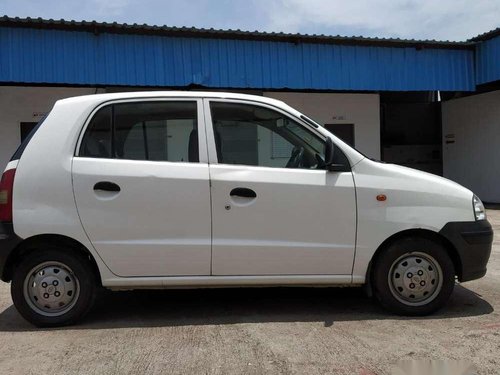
(6, 189)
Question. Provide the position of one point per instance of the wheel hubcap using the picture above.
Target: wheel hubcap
(415, 279)
(51, 289)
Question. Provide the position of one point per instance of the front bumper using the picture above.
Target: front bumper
(8, 242)
(472, 240)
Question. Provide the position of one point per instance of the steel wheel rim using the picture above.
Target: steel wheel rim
(51, 288)
(415, 279)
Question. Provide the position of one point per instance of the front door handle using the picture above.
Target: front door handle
(243, 192)
(107, 186)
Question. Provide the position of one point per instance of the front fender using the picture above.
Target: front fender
(415, 200)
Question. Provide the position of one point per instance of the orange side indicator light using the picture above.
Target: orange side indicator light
(381, 197)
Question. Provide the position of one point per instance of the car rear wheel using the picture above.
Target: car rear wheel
(53, 287)
(414, 276)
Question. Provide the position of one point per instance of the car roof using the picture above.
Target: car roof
(101, 98)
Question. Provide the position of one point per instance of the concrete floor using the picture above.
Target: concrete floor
(255, 331)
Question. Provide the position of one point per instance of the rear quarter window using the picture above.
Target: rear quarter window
(20, 150)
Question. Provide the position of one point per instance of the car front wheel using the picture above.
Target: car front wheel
(414, 276)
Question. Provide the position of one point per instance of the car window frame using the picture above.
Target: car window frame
(202, 140)
(209, 128)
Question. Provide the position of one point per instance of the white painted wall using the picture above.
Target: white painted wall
(362, 110)
(473, 160)
(18, 104)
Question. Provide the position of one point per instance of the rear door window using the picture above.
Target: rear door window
(155, 131)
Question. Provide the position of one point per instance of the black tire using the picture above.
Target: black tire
(79, 273)
(394, 296)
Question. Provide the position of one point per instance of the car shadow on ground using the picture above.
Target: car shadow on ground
(165, 308)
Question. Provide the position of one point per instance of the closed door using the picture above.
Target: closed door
(275, 209)
(144, 201)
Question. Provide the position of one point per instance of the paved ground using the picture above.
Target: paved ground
(255, 331)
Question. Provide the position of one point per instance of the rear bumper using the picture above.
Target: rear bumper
(472, 240)
(8, 242)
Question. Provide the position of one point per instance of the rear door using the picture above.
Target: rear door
(141, 187)
(275, 209)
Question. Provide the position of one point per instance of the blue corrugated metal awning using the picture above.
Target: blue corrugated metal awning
(488, 61)
(56, 56)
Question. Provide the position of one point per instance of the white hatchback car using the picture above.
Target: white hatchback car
(203, 189)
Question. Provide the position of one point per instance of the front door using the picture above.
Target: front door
(275, 209)
(142, 189)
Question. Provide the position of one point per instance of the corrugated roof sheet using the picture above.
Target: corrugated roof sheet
(53, 56)
(343, 68)
(488, 60)
(485, 36)
(105, 27)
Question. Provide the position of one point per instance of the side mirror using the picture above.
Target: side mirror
(329, 150)
(329, 158)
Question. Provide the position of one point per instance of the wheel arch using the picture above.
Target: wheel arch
(421, 233)
(32, 244)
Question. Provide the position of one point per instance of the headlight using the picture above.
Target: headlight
(479, 210)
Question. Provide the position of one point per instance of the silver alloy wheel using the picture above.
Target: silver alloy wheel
(415, 279)
(51, 288)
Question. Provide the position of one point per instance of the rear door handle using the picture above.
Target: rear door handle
(243, 192)
(107, 186)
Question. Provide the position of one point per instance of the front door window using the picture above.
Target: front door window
(258, 136)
